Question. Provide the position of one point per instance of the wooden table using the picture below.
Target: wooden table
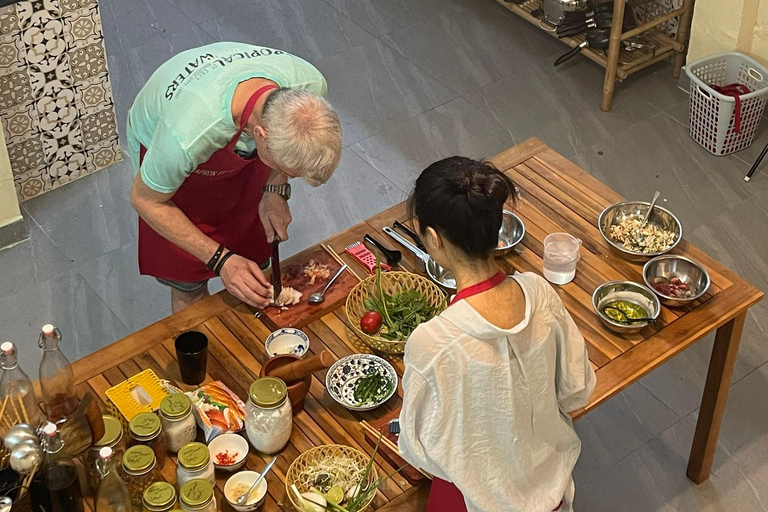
(556, 196)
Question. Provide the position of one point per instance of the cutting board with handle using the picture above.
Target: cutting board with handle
(303, 313)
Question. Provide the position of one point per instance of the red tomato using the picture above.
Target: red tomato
(371, 322)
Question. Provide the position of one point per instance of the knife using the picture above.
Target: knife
(277, 283)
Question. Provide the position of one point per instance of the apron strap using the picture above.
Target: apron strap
(247, 111)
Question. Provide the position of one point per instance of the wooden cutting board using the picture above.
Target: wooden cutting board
(304, 313)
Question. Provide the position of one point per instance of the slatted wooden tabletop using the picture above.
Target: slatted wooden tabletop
(555, 196)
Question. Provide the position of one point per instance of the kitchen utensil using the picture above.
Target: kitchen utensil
(600, 20)
(244, 497)
(511, 233)
(287, 341)
(299, 369)
(554, 10)
(687, 270)
(620, 211)
(639, 231)
(393, 257)
(596, 39)
(247, 478)
(319, 297)
(5, 504)
(394, 426)
(575, 31)
(426, 264)
(571, 16)
(18, 434)
(277, 282)
(26, 456)
(631, 292)
(365, 257)
(192, 354)
(408, 231)
(561, 255)
(341, 379)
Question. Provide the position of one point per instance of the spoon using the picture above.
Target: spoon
(244, 497)
(639, 236)
(317, 298)
(393, 257)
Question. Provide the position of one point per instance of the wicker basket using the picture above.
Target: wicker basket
(315, 455)
(392, 282)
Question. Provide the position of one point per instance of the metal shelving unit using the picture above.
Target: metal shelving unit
(619, 63)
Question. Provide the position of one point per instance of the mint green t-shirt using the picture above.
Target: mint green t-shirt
(183, 114)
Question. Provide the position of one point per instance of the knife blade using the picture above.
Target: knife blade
(277, 283)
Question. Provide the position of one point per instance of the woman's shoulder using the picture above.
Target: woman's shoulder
(427, 342)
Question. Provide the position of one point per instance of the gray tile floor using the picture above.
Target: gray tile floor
(414, 81)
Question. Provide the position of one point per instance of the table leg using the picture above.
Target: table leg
(713, 401)
(683, 35)
(612, 56)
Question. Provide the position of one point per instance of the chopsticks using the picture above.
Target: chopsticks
(389, 444)
(341, 261)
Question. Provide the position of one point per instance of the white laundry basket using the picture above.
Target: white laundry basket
(712, 114)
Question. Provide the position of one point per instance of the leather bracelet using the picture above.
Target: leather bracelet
(222, 261)
(215, 258)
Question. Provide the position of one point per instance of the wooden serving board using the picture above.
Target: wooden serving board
(304, 313)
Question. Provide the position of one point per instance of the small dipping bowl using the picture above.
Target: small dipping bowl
(688, 271)
(232, 443)
(298, 390)
(511, 233)
(287, 341)
(630, 292)
(245, 478)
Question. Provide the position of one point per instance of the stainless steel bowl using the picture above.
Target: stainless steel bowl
(688, 271)
(440, 276)
(631, 292)
(628, 209)
(511, 233)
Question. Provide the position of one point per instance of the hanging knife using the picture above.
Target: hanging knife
(277, 283)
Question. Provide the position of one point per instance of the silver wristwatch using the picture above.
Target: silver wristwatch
(283, 191)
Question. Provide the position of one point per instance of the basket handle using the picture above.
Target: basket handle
(755, 74)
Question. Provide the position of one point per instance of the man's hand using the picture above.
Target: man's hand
(245, 280)
(275, 216)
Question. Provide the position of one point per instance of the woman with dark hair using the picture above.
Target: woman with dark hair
(489, 383)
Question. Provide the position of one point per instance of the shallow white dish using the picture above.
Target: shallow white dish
(247, 478)
(232, 443)
(342, 377)
(287, 341)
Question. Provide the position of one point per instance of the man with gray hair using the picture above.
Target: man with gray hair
(214, 136)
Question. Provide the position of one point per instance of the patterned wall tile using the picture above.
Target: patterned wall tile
(56, 104)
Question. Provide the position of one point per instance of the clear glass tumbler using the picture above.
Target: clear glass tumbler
(561, 254)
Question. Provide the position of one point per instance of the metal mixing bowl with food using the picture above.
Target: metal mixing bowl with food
(618, 226)
(511, 233)
(618, 303)
(675, 279)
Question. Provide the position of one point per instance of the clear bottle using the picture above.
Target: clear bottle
(112, 495)
(269, 417)
(197, 496)
(16, 386)
(195, 462)
(113, 438)
(57, 380)
(60, 473)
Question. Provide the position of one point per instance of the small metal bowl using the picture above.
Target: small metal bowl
(631, 292)
(440, 276)
(511, 233)
(688, 271)
(628, 209)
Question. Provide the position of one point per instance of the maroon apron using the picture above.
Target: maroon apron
(445, 496)
(221, 197)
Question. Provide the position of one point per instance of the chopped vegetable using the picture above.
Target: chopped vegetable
(371, 322)
(654, 239)
(225, 458)
(624, 311)
(371, 389)
(401, 312)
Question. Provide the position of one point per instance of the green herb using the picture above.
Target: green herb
(401, 312)
(371, 389)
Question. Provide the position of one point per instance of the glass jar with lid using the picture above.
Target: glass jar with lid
(195, 462)
(269, 417)
(140, 470)
(159, 497)
(178, 421)
(145, 428)
(197, 495)
(112, 438)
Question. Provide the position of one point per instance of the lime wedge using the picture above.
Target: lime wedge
(335, 495)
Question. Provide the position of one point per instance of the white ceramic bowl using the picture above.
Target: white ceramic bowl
(341, 379)
(247, 478)
(232, 443)
(287, 341)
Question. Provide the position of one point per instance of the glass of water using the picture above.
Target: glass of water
(561, 254)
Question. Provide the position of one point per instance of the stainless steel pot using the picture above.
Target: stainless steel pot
(553, 10)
